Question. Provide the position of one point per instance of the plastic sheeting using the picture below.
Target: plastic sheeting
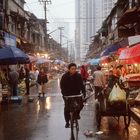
(111, 49)
(94, 61)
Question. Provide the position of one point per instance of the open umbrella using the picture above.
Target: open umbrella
(57, 61)
(13, 55)
(32, 58)
(42, 61)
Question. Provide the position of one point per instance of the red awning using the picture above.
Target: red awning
(130, 55)
(120, 50)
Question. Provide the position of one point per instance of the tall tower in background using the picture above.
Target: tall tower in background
(107, 6)
(85, 26)
(89, 17)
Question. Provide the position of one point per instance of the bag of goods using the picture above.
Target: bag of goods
(117, 95)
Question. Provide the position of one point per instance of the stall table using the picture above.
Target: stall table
(133, 80)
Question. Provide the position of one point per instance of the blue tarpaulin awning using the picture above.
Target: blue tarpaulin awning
(95, 61)
(111, 49)
(12, 55)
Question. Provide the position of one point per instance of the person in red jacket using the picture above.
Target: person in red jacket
(84, 73)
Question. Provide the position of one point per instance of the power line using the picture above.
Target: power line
(64, 3)
(79, 18)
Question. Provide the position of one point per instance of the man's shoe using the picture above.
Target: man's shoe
(67, 125)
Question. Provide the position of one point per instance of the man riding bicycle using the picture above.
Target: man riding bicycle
(71, 84)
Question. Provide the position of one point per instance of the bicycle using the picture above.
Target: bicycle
(75, 104)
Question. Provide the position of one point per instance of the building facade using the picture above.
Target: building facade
(122, 22)
(89, 17)
(22, 26)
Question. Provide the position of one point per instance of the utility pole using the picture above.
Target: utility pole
(61, 28)
(46, 2)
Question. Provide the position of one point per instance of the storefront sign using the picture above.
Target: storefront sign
(10, 40)
(133, 40)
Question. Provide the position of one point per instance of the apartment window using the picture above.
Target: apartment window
(13, 25)
(110, 4)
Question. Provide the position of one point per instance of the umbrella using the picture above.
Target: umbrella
(13, 55)
(32, 58)
(42, 60)
(57, 61)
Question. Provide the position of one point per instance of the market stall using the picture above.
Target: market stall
(131, 58)
(9, 56)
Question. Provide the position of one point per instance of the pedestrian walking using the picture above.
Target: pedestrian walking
(99, 81)
(42, 82)
(71, 84)
(36, 73)
(84, 73)
(13, 82)
(27, 80)
(21, 73)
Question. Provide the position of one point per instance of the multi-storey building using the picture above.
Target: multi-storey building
(107, 6)
(19, 27)
(85, 16)
(89, 17)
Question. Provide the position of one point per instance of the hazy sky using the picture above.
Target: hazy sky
(59, 9)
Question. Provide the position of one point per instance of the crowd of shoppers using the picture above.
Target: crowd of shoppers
(11, 77)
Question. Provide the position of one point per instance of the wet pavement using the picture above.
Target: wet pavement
(43, 120)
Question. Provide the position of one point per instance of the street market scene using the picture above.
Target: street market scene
(70, 70)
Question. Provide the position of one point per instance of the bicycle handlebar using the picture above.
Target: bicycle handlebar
(74, 96)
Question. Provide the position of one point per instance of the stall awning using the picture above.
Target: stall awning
(111, 49)
(131, 55)
(118, 52)
(105, 59)
(94, 61)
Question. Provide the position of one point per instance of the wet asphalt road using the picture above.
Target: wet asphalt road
(43, 120)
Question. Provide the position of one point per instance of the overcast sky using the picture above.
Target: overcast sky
(59, 9)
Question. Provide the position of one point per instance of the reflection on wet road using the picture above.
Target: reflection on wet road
(43, 120)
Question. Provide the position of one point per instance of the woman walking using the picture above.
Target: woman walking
(42, 82)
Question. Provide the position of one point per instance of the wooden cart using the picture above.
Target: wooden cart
(103, 108)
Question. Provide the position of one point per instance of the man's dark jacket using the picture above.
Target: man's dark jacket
(71, 84)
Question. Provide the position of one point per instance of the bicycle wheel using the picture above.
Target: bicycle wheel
(71, 121)
(98, 115)
(72, 126)
(77, 128)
